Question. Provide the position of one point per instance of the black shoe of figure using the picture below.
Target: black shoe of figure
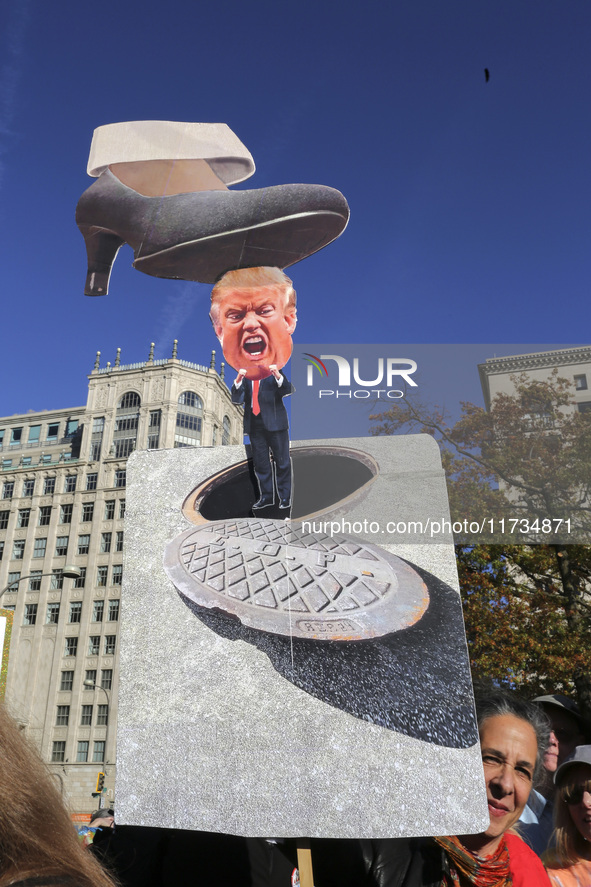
(284, 503)
(202, 234)
(264, 502)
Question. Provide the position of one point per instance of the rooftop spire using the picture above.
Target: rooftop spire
(118, 357)
(174, 348)
(97, 362)
(151, 356)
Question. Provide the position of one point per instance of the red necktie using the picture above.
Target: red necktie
(255, 398)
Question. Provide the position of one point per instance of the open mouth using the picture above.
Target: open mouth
(254, 345)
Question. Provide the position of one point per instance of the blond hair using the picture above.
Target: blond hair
(37, 836)
(570, 846)
(252, 278)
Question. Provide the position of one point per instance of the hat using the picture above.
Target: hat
(102, 813)
(581, 755)
(563, 702)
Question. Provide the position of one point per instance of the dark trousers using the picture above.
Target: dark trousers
(277, 442)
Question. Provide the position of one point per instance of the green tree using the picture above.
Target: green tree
(526, 460)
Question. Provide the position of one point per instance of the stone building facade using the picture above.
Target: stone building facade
(572, 364)
(62, 503)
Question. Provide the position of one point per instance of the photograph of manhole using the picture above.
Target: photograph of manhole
(348, 622)
(324, 478)
(276, 577)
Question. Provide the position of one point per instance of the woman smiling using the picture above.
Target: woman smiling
(569, 864)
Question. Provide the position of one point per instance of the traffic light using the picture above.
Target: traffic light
(100, 781)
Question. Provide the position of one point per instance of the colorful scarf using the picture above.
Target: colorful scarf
(466, 870)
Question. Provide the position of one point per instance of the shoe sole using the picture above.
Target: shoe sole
(278, 243)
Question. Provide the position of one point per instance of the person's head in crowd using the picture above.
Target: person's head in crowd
(253, 311)
(103, 818)
(37, 837)
(567, 729)
(513, 738)
(572, 809)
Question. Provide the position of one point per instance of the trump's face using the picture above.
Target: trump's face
(254, 328)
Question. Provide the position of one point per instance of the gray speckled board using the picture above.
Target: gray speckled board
(232, 721)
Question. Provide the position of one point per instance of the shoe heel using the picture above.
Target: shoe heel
(101, 248)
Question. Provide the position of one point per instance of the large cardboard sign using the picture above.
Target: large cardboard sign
(289, 677)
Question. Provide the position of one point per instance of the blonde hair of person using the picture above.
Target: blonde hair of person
(37, 836)
(253, 278)
(569, 845)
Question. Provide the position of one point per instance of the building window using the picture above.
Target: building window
(580, 382)
(70, 483)
(101, 576)
(105, 543)
(53, 431)
(35, 580)
(57, 580)
(107, 678)
(94, 645)
(226, 432)
(91, 481)
(66, 514)
(62, 718)
(71, 646)
(83, 543)
(109, 509)
(129, 400)
(95, 451)
(75, 611)
(16, 436)
(113, 611)
(98, 609)
(61, 546)
(8, 489)
(86, 718)
(34, 434)
(1, 550)
(58, 752)
(120, 477)
(110, 644)
(98, 755)
(44, 515)
(28, 487)
(6, 464)
(30, 614)
(189, 420)
(117, 574)
(121, 509)
(13, 580)
(123, 448)
(214, 436)
(18, 549)
(119, 541)
(82, 752)
(53, 614)
(90, 675)
(584, 406)
(102, 715)
(80, 580)
(45, 458)
(24, 515)
(154, 429)
(87, 512)
(39, 547)
(26, 461)
(98, 425)
(71, 427)
(4, 515)
(49, 486)
(67, 680)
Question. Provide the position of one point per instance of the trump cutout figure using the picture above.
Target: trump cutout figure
(253, 311)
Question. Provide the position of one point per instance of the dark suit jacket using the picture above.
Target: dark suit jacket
(273, 412)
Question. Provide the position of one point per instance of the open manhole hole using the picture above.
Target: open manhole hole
(323, 477)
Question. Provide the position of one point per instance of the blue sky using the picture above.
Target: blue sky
(469, 200)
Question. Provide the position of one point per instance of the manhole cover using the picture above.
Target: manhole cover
(277, 578)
